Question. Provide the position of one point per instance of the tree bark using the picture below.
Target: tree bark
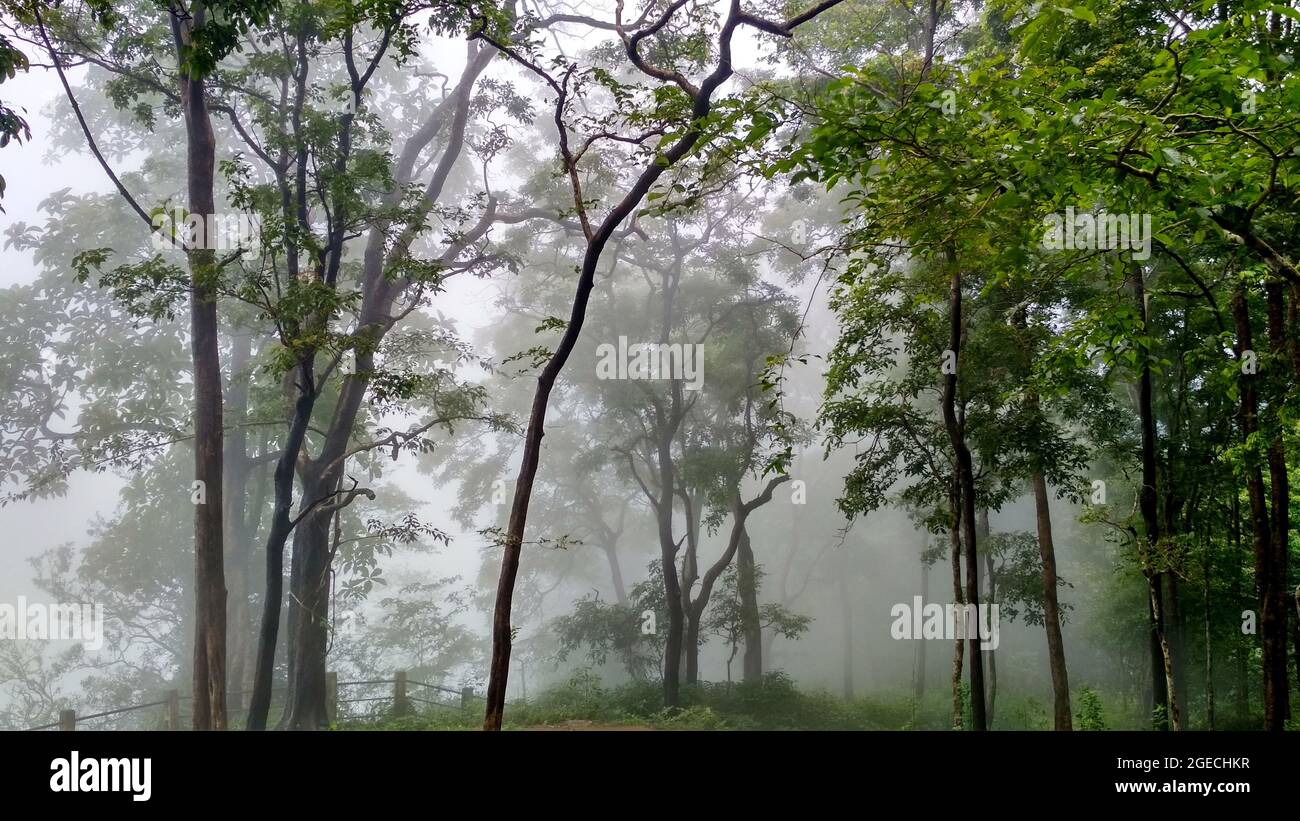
(753, 628)
(1061, 715)
(1276, 590)
(209, 681)
(1241, 646)
(966, 480)
(1261, 524)
(1148, 502)
(918, 674)
(238, 471)
(958, 651)
(1207, 570)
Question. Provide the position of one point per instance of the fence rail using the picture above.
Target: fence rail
(170, 718)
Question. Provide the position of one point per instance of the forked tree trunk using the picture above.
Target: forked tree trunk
(966, 480)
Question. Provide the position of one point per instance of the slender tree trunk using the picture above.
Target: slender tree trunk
(991, 653)
(1207, 570)
(918, 676)
(668, 569)
(966, 479)
(285, 469)
(1261, 524)
(238, 472)
(1242, 647)
(616, 573)
(1061, 715)
(209, 705)
(990, 656)
(958, 650)
(846, 629)
(1148, 501)
(753, 627)
(1277, 591)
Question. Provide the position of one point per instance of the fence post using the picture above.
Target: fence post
(173, 709)
(67, 719)
(400, 705)
(331, 696)
(466, 696)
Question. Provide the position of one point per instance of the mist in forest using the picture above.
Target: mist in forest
(668, 365)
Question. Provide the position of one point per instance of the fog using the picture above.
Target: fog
(445, 211)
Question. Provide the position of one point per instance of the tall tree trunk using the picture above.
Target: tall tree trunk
(1277, 591)
(753, 627)
(668, 570)
(966, 479)
(238, 472)
(1061, 716)
(1242, 647)
(1148, 501)
(958, 650)
(990, 655)
(209, 683)
(991, 652)
(285, 469)
(1207, 570)
(918, 674)
(1261, 525)
(306, 705)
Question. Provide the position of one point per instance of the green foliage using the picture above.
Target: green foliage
(1089, 714)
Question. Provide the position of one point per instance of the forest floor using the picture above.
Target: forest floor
(583, 725)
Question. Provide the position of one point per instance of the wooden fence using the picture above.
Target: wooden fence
(405, 693)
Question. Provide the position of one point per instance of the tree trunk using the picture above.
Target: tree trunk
(209, 682)
(1261, 525)
(753, 627)
(958, 651)
(695, 608)
(306, 699)
(285, 469)
(616, 573)
(238, 471)
(992, 655)
(1148, 501)
(1276, 589)
(1209, 637)
(1241, 645)
(918, 674)
(966, 479)
(1061, 715)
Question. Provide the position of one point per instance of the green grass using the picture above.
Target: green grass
(773, 704)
